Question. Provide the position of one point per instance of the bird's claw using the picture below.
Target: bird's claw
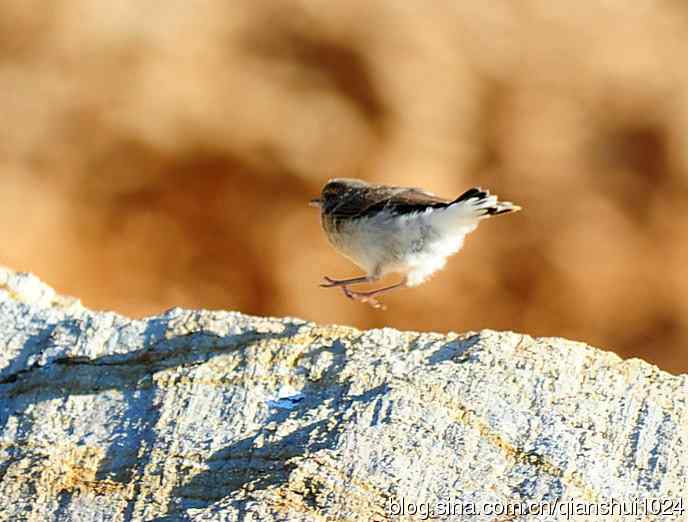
(330, 282)
(363, 298)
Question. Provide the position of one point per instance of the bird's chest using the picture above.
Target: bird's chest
(381, 242)
(368, 243)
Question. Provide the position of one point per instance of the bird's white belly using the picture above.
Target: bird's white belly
(366, 245)
(421, 265)
(411, 245)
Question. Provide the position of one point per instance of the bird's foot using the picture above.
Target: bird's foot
(330, 283)
(364, 297)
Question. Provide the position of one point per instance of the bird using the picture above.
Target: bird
(387, 229)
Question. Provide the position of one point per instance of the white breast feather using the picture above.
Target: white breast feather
(450, 226)
(384, 243)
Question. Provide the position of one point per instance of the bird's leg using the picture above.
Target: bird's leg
(368, 297)
(331, 283)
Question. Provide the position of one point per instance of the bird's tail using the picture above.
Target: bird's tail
(479, 204)
(461, 216)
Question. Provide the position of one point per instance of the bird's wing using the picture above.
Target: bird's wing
(412, 200)
(396, 200)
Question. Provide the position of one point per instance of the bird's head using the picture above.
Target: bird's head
(334, 190)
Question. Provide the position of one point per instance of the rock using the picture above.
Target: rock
(220, 416)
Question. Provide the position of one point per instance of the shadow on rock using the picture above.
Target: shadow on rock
(131, 374)
(265, 459)
(454, 350)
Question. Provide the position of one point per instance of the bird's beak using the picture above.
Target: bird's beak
(315, 202)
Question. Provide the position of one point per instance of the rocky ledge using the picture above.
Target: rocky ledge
(220, 416)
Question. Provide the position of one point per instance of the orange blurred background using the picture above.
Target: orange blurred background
(160, 155)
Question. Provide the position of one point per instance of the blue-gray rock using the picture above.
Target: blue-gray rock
(220, 416)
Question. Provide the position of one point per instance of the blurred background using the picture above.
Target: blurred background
(160, 154)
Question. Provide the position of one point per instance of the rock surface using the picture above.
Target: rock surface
(219, 416)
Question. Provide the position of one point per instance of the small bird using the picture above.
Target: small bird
(386, 229)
